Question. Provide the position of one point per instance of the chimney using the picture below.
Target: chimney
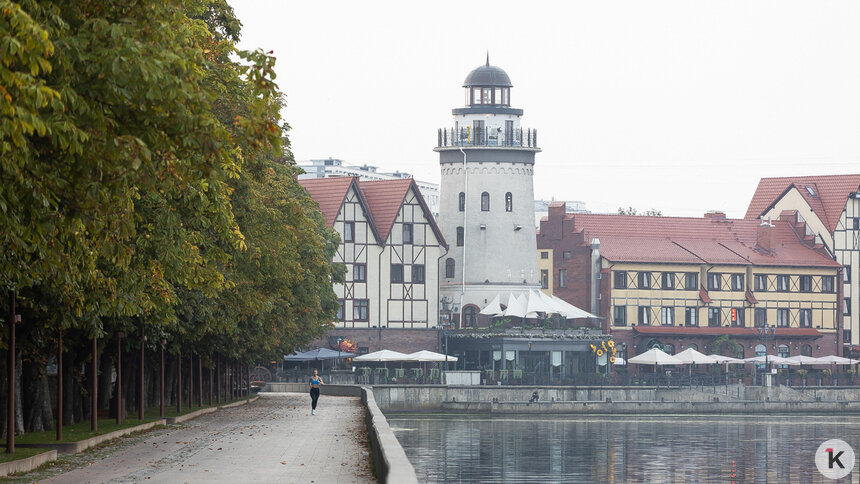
(764, 235)
(715, 215)
(595, 276)
(556, 210)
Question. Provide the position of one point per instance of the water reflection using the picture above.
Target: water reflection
(620, 449)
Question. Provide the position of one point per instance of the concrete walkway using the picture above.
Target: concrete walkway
(275, 439)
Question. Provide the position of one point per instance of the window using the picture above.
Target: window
(668, 280)
(760, 350)
(691, 281)
(407, 233)
(509, 202)
(566, 255)
(782, 318)
(714, 281)
(760, 282)
(544, 279)
(644, 280)
(449, 267)
(846, 336)
(396, 272)
(460, 236)
(562, 278)
(806, 350)
(782, 352)
(339, 315)
(713, 316)
(359, 273)
(349, 231)
(462, 203)
(782, 283)
(693, 346)
(619, 315)
(760, 317)
(691, 316)
(805, 318)
(620, 280)
(360, 309)
(668, 316)
(854, 223)
(737, 282)
(846, 306)
(644, 315)
(470, 316)
(846, 274)
(805, 283)
(418, 274)
(827, 284)
(485, 202)
(544, 254)
(737, 317)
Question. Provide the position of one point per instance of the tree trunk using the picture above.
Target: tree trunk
(36, 413)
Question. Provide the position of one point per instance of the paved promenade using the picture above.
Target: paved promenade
(275, 439)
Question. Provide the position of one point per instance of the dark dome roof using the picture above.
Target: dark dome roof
(488, 75)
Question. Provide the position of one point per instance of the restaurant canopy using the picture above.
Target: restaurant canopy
(383, 355)
(776, 360)
(727, 359)
(654, 356)
(690, 356)
(532, 303)
(425, 355)
(837, 360)
(317, 354)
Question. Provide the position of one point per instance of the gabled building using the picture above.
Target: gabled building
(390, 246)
(676, 283)
(824, 211)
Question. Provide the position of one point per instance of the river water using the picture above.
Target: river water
(622, 449)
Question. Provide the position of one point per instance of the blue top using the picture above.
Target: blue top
(315, 380)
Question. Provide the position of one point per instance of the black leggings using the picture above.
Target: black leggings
(315, 395)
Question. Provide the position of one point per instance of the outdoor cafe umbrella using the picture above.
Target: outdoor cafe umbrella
(727, 359)
(777, 360)
(654, 356)
(318, 354)
(382, 355)
(806, 360)
(425, 355)
(692, 357)
(837, 360)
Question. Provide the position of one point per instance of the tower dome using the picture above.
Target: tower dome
(488, 76)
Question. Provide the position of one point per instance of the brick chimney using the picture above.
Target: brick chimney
(557, 210)
(764, 235)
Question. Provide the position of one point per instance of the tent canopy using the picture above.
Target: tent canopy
(805, 360)
(726, 359)
(836, 360)
(776, 360)
(691, 356)
(425, 355)
(318, 354)
(492, 309)
(383, 355)
(654, 356)
(529, 304)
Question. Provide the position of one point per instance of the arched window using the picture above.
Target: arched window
(693, 346)
(509, 202)
(470, 316)
(449, 267)
(782, 352)
(485, 202)
(462, 202)
(669, 348)
(760, 350)
(740, 354)
(460, 237)
(806, 350)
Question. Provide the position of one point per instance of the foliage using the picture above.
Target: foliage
(653, 212)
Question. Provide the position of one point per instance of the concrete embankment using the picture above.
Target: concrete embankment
(389, 458)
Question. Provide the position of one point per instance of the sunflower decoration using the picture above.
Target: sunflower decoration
(605, 348)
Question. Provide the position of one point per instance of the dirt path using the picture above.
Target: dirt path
(275, 439)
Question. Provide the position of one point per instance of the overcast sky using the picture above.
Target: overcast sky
(679, 106)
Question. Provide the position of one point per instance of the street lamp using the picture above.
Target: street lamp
(766, 334)
(339, 341)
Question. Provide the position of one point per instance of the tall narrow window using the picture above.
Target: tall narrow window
(485, 202)
(544, 279)
(470, 315)
(691, 316)
(619, 315)
(782, 283)
(620, 280)
(805, 318)
(713, 281)
(760, 282)
(691, 281)
(418, 274)
(737, 316)
(509, 202)
(562, 278)
(449, 267)
(407, 233)
(668, 280)
(462, 203)
(460, 237)
(644, 280)
(827, 283)
(805, 283)
(738, 282)
(713, 317)
(349, 231)
(846, 306)
(668, 316)
(645, 315)
(360, 309)
(782, 317)
(760, 315)
(359, 272)
(339, 315)
(396, 272)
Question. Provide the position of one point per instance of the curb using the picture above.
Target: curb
(390, 459)
(28, 464)
(82, 445)
(207, 410)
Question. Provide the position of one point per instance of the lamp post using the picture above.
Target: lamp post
(339, 341)
(766, 334)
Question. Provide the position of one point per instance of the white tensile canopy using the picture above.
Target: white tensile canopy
(516, 306)
(492, 309)
(836, 360)
(806, 360)
(425, 355)
(383, 355)
(727, 359)
(655, 356)
(691, 356)
(776, 360)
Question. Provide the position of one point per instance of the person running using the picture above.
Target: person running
(315, 382)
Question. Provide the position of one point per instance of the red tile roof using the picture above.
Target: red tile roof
(686, 240)
(831, 193)
(329, 194)
(719, 330)
(384, 198)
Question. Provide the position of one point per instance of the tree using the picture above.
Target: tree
(653, 212)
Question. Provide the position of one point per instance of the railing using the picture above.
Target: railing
(524, 138)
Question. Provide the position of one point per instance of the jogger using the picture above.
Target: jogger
(315, 381)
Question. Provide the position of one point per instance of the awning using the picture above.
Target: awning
(751, 298)
(703, 295)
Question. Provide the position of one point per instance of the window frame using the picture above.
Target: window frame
(461, 236)
(357, 306)
(450, 268)
(396, 274)
(691, 277)
(783, 318)
(619, 311)
(715, 281)
(359, 272)
(544, 278)
(667, 316)
(485, 201)
(562, 278)
(349, 231)
(714, 317)
(760, 317)
(738, 282)
(408, 229)
(828, 284)
(667, 277)
(783, 283)
(805, 283)
(646, 312)
(461, 202)
(760, 282)
(691, 316)
(643, 276)
(619, 276)
(804, 318)
(418, 274)
(740, 317)
(509, 202)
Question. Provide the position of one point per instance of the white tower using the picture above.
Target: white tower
(486, 207)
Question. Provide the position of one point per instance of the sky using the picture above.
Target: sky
(680, 106)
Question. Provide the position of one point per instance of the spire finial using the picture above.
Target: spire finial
(488, 58)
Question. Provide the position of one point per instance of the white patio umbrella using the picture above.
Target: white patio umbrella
(654, 356)
(806, 360)
(425, 355)
(727, 359)
(776, 360)
(382, 355)
(492, 309)
(690, 356)
(837, 360)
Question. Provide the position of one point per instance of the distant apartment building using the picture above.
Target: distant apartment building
(824, 211)
(677, 283)
(332, 167)
(391, 247)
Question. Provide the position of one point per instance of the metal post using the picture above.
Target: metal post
(94, 418)
(118, 392)
(161, 404)
(142, 398)
(191, 381)
(200, 380)
(10, 402)
(210, 386)
(218, 378)
(60, 387)
(179, 382)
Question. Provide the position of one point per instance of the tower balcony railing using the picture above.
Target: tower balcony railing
(523, 138)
